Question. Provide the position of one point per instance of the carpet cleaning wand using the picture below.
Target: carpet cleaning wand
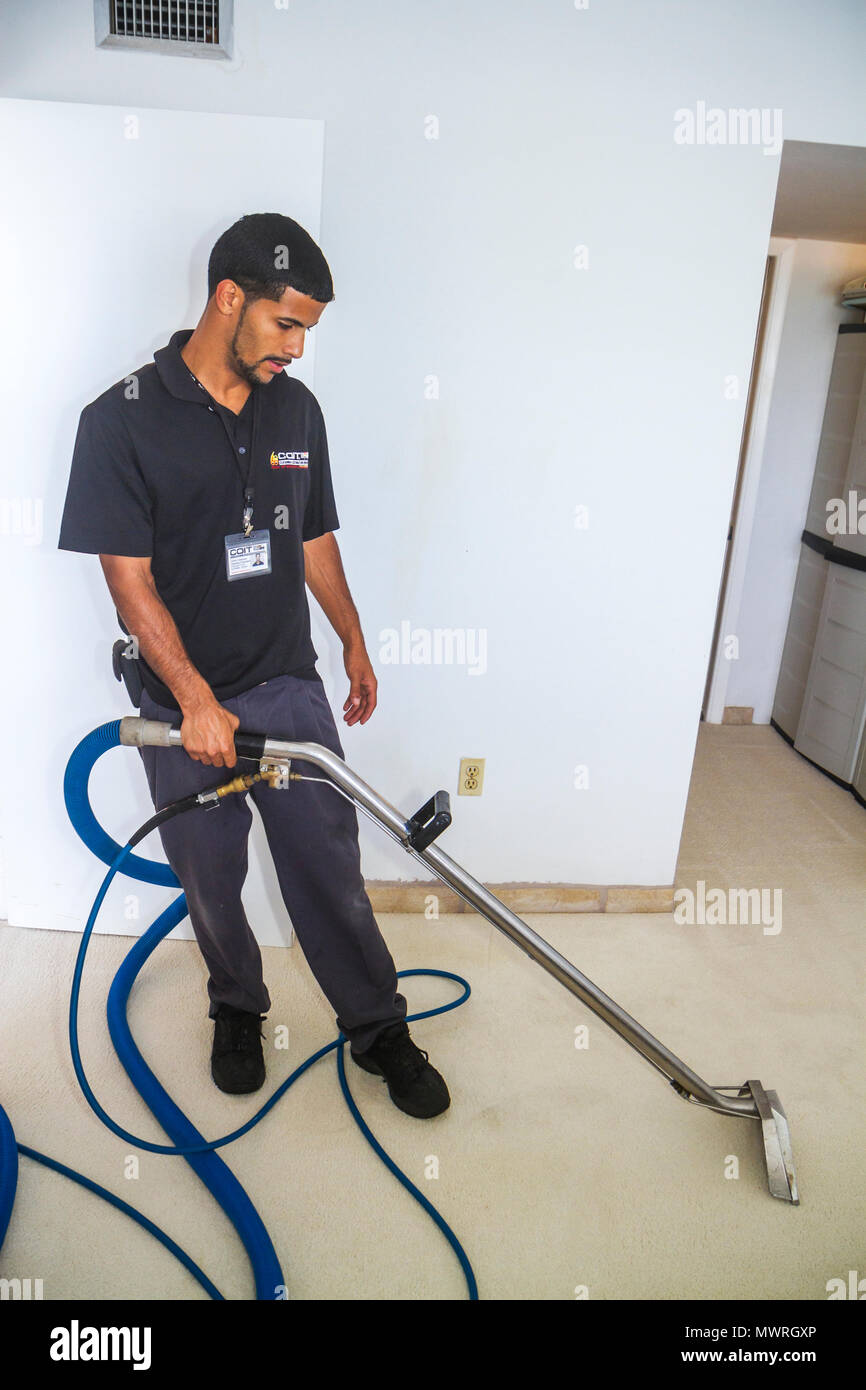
(416, 835)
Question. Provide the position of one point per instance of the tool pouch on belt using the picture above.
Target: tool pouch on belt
(127, 669)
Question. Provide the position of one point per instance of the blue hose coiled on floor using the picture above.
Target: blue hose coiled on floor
(188, 1142)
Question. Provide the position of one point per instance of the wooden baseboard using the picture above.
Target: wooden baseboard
(738, 714)
(389, 896)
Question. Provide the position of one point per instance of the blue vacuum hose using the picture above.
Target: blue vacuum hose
(198, 1152)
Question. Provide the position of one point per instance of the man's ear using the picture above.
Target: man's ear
(227, 298)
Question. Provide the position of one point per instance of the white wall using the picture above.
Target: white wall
(90, 292)
(809, 335)
(557, 386)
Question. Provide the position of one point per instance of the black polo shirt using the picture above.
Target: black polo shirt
(158, 469)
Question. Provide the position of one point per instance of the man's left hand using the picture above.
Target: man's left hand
(363, 685)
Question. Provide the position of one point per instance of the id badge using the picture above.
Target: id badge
(247, 556)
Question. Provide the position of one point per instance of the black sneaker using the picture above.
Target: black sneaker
(413, 1085)
(237, 1064)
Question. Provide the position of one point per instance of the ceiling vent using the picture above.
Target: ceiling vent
(186, 28)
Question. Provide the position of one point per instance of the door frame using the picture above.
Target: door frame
(758, 408)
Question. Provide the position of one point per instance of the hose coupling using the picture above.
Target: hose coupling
(237, 784)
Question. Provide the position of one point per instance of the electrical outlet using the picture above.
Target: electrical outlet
(471, 777)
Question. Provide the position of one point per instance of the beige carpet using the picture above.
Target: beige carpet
(558, 1168)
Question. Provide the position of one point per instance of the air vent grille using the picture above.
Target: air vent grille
(180, 21)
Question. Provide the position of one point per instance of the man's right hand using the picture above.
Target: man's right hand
(207, 733)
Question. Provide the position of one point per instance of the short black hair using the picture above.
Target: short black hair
(263, 253)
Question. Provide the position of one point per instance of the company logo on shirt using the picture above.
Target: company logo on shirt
(283, 459)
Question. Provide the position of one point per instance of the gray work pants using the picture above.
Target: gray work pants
(312, 833)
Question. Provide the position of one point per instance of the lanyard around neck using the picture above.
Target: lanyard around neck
(248, 488)
(246, 482)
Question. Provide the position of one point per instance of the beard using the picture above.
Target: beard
(245, 369)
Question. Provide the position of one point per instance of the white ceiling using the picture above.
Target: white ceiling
(821, 193)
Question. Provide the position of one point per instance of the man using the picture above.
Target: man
(202, 480)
